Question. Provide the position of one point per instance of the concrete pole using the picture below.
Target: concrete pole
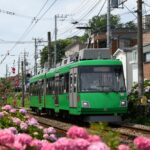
(55, 45)
(108, 24)
(140, 49)
(49, 50)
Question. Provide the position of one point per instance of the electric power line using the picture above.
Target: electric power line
(81, 18)
(30, 27)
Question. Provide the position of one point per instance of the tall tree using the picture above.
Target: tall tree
(61, 44)
(130, 25)
(99, 23)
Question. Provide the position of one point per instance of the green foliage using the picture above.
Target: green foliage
(133, 95)
(139, 112)
(130, 25)
(35, 132)
(10, 101)
(5, 86)
(99, 23)
(110, 137)
(61, 44)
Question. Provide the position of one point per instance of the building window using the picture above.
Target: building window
(147, 57)
(134, 56)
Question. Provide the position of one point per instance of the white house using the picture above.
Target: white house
(125, 55)
(129, 59)
(146, 62)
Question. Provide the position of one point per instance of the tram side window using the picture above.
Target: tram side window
(61, 84)
(52, 84)
(66, 83)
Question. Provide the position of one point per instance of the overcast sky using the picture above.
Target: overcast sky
(36, 17)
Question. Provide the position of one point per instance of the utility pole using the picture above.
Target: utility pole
(55, 44)
(23, 92)
(24, 69)
(49, 50)
(108, 25)
(35, 58)
(18, 66)
(140, 48)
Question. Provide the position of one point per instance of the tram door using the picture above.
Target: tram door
(56, 90)
(73, 88)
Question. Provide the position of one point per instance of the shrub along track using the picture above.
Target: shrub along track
(127, 132)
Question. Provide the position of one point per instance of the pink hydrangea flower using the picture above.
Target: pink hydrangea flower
(49, 130)
(142, 143)
(13, 110)
(36, 143)
(81, 144)
(13, 130)
(52, 137)
(23, 111)
(23, 138)
(123, 147)
(17, 121)
(18, 146)
(7, 107)
(48, 146)
(93, 138)
(77, 132)
(6, 137)
(64, 144)
(23, 126)
(98, 146)
(32, 121)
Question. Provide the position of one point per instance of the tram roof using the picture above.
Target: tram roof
(37, 77)
(66, 68)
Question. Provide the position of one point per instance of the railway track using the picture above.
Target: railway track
(128, 132)
(61, 127)
(133, 130)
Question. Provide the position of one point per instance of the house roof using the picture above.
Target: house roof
(124, 50)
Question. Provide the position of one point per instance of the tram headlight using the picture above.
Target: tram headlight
(85, 104)
(124, 103)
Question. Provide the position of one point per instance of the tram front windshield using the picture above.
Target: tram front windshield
(101, 78)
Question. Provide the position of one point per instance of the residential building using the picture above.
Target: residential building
(73, 48)
(125, 55)
(146, 65)
(121, 38)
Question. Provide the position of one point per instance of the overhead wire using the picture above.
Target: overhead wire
(101, 8)
(70, 28)
(132, 12)
(30, 27)
(78, 20)
(98, 12)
